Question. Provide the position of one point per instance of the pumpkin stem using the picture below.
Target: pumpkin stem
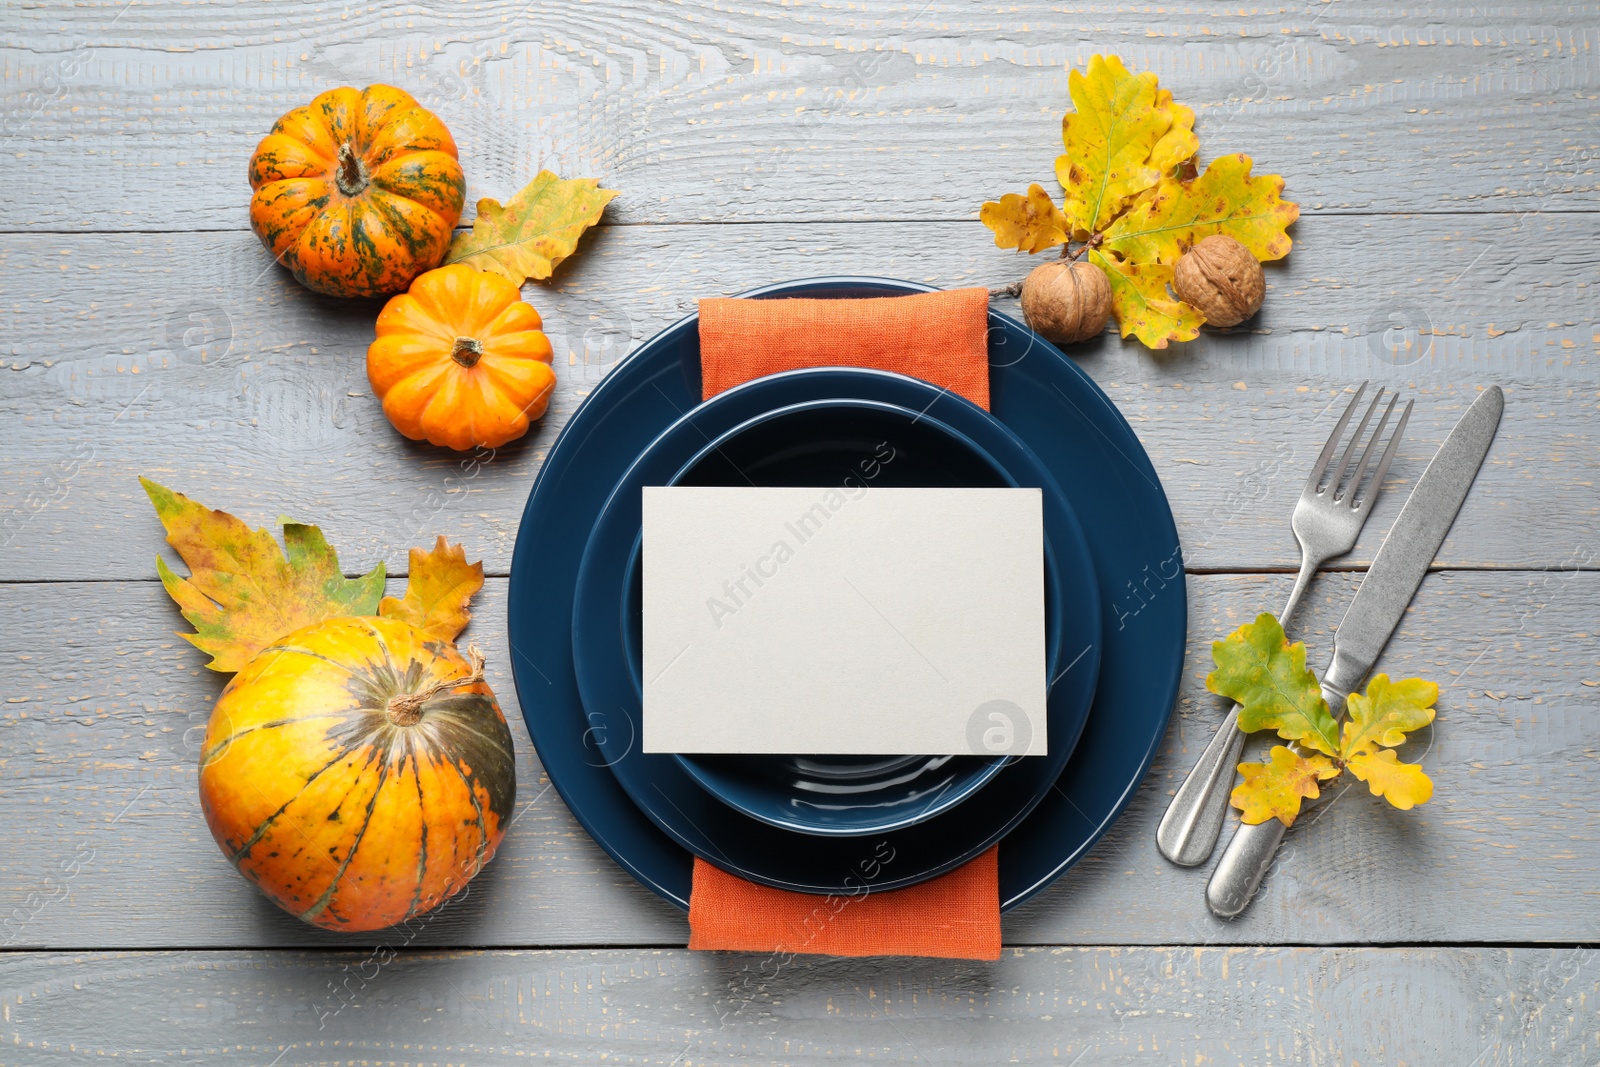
(467, 352)
(352, 176)
(405, 709)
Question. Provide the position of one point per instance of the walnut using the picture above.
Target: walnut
(1221, 278)
(1066, 302)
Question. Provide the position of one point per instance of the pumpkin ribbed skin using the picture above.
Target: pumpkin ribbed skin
(460, 360)
(357, 192)
(342, 817)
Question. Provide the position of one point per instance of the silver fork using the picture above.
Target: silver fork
(1327, 520)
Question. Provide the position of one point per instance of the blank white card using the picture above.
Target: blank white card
(852, 620)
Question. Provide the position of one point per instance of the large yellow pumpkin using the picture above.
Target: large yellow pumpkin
(351, 803)
(358, 192)
(460, 360)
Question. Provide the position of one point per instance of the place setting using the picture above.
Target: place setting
(836, 632)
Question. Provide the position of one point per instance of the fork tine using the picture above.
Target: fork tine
(1372, 446)
(1350, 449)
(1321, 465)
(1388, 454)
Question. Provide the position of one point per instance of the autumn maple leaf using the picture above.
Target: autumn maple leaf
(243, 592)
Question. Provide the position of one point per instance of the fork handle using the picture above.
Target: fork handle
(1189, 830)
(1308, 571)
(1193, 822)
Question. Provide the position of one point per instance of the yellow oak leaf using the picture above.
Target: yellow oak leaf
(1109, 139)
(1402, 784)
(1385, 713)
(440, 586)
(1179, 144)
(1225, 199)
(533, 231)
(1030, 223)
(1275, 789)
(243, 592)
(1267, 676)
(1142, 303)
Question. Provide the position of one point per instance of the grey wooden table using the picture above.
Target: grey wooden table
(1444, 161)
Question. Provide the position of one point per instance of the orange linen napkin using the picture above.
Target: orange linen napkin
(941, 338)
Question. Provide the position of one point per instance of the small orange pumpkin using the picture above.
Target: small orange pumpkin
(460, 360)
(358, 192)
(359, 772)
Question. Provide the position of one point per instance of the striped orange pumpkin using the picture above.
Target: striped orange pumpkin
(350, 806)
(357, 192)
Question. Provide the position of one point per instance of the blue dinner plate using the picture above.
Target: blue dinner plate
(1041, 395)
(808, 425)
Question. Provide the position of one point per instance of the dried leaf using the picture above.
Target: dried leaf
(1267, 676)
(437, 592)
(534, 230)
(1385, 714)
(242, 594)
(1225, 199)
(1030, 223)
(1275, 789)
(1402, 784)
(1142, 303)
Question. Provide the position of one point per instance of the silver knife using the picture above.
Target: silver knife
(1393, 578)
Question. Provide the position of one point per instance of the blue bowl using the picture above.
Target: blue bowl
(809, 444)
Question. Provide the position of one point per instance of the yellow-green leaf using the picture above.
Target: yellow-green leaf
(1275, 789)
(1225, 199)
(1030, 223)
(1385, 714)
(242, 593)
(1402, 784)
(1109, 139)
(1267, 676)
(534, 230)
(440, 586)
(1142, 304)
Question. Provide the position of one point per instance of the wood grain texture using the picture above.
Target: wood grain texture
(102, 844)
(1444, 159)
(1481, 1007)
(192, 359)
(710, 111)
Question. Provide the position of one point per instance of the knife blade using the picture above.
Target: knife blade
(1379, 605)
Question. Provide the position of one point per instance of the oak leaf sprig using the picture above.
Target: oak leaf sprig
(1134, 201)
(1260, 670)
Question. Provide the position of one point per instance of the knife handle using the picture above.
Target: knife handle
(1250, 851)
(1244, 863)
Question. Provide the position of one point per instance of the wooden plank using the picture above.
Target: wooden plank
(1478, 1006)
(142, 117)
(194, 360)
(102, 844)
